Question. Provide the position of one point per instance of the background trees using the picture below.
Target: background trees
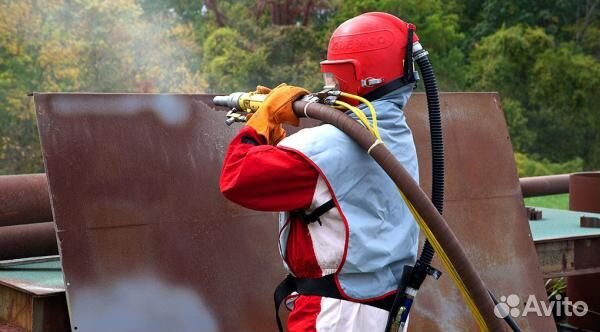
(543, 58)
(83, 45)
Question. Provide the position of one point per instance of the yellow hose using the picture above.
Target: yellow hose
(428, 234)
(366, 102)
(448, 265)
(361, 116)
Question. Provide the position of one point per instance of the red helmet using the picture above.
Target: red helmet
(366, 52)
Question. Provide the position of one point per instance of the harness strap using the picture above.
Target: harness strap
(315, 214)
(324, 286)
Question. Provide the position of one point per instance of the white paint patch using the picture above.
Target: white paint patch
(140, 304)
(172, 110)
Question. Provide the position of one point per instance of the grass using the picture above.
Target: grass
(554, 201)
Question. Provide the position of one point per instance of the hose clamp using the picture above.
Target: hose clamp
(306, 108)
(419, 51)
(377, 142)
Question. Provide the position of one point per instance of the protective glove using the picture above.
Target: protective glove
(262, 90)
(276, 110)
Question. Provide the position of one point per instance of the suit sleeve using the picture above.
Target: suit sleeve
(263, 177)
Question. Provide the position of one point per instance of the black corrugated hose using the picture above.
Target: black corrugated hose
(437, 143)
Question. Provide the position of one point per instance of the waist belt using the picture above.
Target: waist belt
(324, 286)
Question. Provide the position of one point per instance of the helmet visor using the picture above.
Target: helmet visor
(330, 82)
(340, 74)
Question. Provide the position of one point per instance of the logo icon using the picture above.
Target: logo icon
(508, 306)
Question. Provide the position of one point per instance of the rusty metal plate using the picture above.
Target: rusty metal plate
(148, 243)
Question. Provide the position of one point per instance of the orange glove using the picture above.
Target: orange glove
(276, 110)
(262, 90)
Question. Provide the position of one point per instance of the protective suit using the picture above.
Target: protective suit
(364, 242)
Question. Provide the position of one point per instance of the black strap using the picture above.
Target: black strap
(315, 214)
(387, 88)
(283, 290)
(324, 286)
(408, 57)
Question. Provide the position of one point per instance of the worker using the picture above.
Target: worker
(345, 233)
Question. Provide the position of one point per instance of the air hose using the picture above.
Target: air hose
(437, 140)
(435, 227)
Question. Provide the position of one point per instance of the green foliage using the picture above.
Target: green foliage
(230, 61)
(565, 92)
(556, 286)
(503, 61)
(551, 15)
(528, 166)
(560, 201)
(517, 121)
(544, 87)
(281, 54)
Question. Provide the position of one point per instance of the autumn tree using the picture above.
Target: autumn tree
(83, 45)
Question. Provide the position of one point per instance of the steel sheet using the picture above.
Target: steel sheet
(143, 227)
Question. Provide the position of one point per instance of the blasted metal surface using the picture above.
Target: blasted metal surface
(24, 199)
(28, 241)
(544, 185)
(142, 225)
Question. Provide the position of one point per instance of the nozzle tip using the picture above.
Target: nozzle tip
(220, 100)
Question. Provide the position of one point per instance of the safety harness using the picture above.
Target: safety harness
(326, 286)
(323, 286)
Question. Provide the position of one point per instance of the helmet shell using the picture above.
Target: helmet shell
(367, 51)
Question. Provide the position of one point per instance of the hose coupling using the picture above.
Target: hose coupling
(419, 51)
